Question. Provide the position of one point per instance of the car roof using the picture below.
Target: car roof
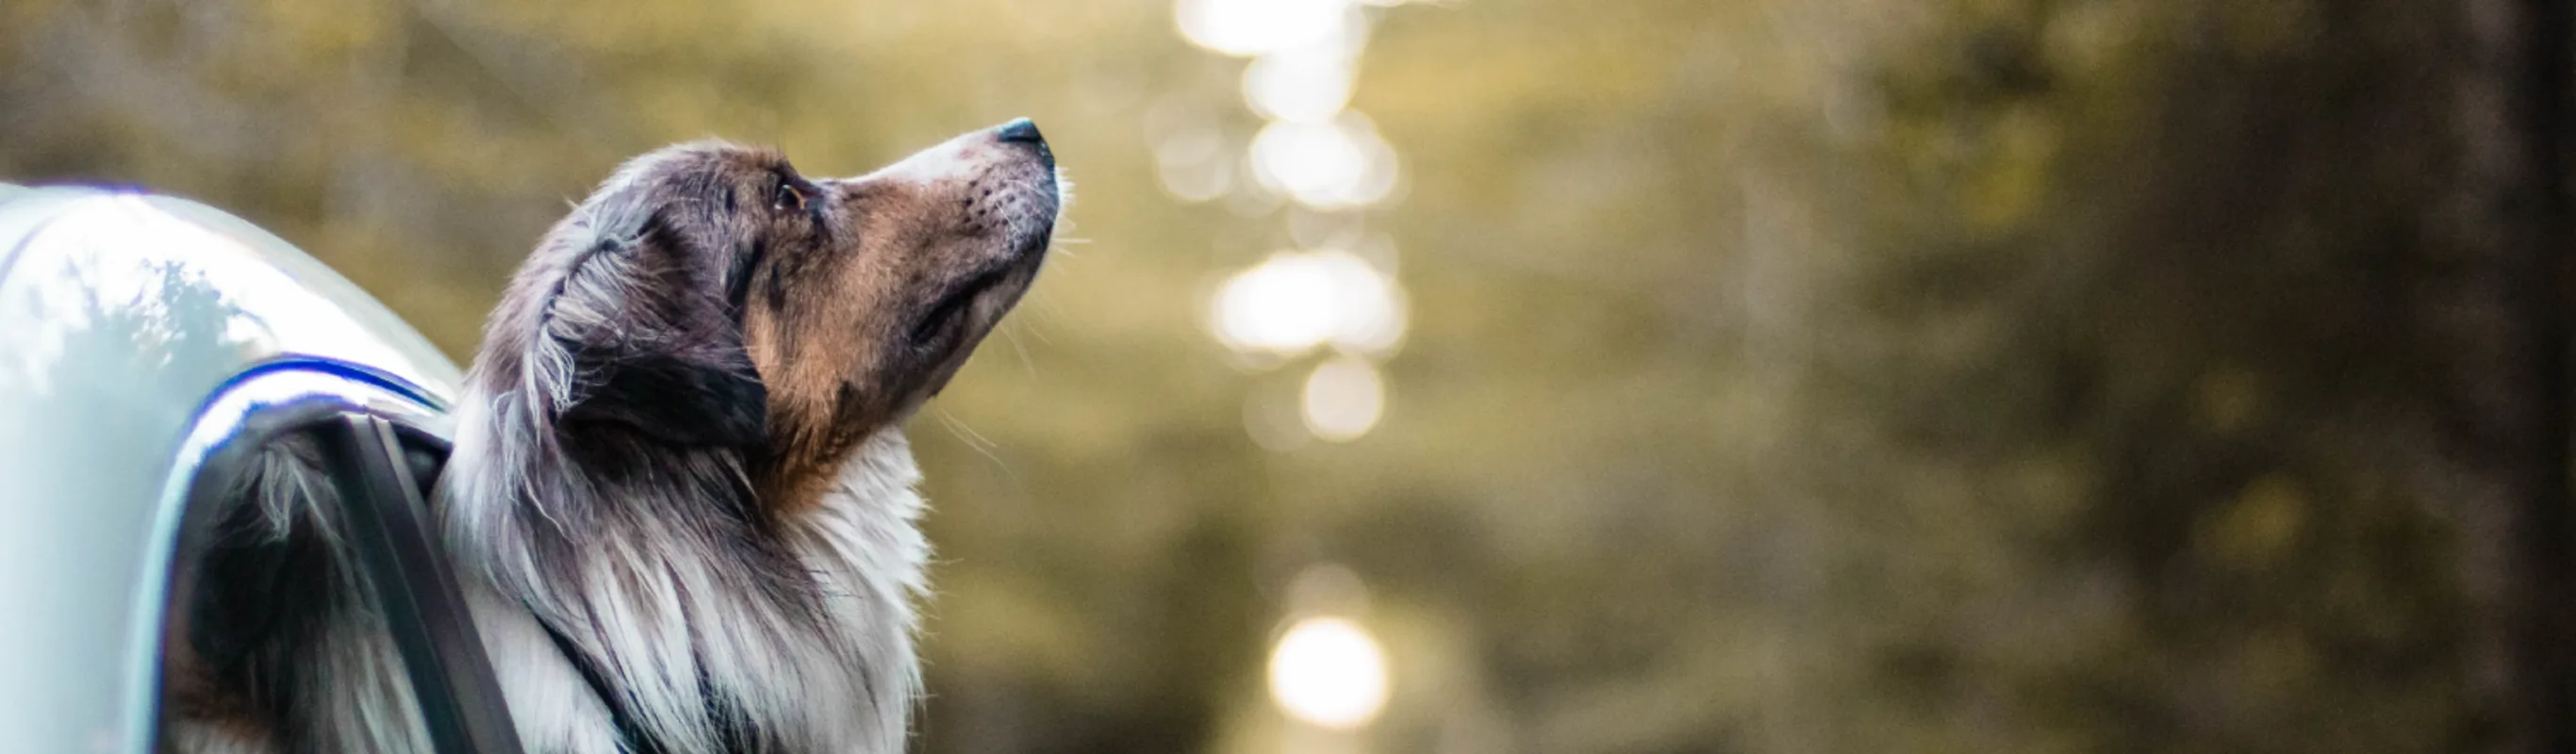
(124, 317)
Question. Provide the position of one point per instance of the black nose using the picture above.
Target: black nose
(1021, 131)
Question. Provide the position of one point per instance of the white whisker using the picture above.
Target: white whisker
(977, 441)
(1017, 349)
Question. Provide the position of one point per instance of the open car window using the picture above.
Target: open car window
(307, 558)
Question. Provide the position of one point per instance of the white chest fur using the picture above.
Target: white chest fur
(672, 630)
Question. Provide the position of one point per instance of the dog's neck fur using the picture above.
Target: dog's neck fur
(720, 626)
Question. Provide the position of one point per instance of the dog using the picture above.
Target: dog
(679, 502)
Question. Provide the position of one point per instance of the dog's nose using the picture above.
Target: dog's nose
(1020, 131)
(1024, 131)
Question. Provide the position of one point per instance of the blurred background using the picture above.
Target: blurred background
(1561, 376)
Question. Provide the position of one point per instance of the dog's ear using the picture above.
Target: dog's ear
(643, 339)
(706, 398)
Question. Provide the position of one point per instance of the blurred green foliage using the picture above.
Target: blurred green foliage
(1785, 375)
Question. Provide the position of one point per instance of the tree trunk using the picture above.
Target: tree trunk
(2512, 387)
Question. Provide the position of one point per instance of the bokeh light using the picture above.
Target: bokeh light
(1318, 153)
(1329, 672)
(1305, 85)
(1334, 165)
(1296, 301)
(1256, 27)
(1343, 399)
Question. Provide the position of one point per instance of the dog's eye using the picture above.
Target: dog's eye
(787, 197)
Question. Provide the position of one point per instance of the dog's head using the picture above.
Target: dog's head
(712, 295)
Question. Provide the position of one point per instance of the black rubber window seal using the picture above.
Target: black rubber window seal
(460, 700)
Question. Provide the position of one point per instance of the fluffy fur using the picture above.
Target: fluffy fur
(678, 473)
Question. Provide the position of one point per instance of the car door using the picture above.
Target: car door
(144, 341)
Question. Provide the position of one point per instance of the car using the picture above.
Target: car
(148, 345)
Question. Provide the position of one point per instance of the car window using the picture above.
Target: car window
(305, 568)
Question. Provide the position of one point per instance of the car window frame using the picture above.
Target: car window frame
(378, 436)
